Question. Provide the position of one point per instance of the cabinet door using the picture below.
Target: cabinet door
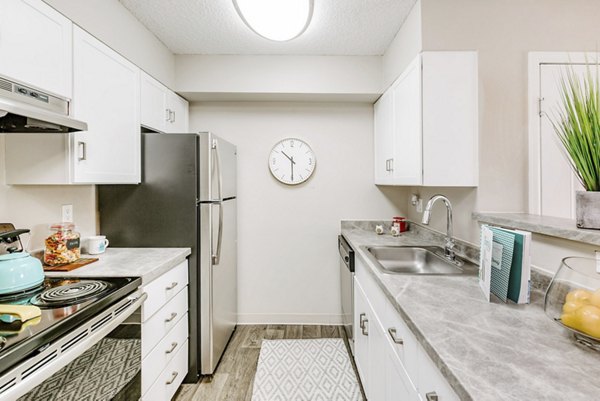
(398, 386)
(361, 335)
(106, 90)
(35, 44)
(384, 139)
(154, 113)
(407, 126)
(450, 119)
(377, 356)
(431, 381)
(178, 108)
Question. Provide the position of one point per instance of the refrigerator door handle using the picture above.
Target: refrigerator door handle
(216, 256)
(215, 149)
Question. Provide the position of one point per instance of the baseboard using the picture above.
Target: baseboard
(289, 318)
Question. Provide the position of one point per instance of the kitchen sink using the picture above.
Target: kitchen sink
(421, 260)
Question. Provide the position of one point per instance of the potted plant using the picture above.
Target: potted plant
(577, 125)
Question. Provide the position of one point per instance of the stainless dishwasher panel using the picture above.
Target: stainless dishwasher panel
(347, 287)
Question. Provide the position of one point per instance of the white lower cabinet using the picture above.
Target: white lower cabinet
(165, 331)
(392, 365)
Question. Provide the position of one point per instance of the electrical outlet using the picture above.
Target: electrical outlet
(67, 213)
(420, 205)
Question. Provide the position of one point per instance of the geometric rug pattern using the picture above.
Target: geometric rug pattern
(305, 370)
(96, 375)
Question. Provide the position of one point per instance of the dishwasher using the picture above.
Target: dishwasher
(347, 287)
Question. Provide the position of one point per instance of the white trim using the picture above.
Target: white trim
(289, 318)
(535, 59)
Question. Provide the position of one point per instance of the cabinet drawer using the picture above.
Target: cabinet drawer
(372, 290)
(164, 353)
(170, 378)
(163, 289)
(431, 380)
(407, 351)
(155, 328)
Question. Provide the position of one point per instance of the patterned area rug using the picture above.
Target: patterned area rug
(305, 370)
(97, 375)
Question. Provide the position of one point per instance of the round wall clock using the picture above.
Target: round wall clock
(292, 161)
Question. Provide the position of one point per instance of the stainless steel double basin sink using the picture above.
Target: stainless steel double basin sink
(417, 260)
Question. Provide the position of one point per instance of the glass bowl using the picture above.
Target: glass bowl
(573, 299)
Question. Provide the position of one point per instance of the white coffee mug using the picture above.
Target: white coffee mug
(97, 244)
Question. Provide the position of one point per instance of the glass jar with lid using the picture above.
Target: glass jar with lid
(63, 245)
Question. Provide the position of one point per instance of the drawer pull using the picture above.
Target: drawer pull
(173, 346)
(365, 328)
(170, 318)
(432, 396)
(395, 339)
(362, 317)
(173, 377)
(173, 285)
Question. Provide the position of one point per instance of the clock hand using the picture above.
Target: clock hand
(290, 158)
(293, 162)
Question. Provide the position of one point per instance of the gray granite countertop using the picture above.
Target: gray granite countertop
(553, 226)
(147, 263)
(487, 351)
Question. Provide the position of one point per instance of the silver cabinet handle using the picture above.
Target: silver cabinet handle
(168, 115)
(365, 327)
(387, 165)
(173, 346)
(173, 285)
(82, 146)
(173, 377)
(432, 396)
(173, 118)
(392, 164)
(170, 318)
(395, 339)
(362, 317)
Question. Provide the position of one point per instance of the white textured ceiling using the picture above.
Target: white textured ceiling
(339, 27)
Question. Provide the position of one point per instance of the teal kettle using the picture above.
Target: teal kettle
(18, 269)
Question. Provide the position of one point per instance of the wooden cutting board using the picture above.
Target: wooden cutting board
(70, 266)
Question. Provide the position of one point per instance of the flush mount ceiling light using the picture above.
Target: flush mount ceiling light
(278, 20)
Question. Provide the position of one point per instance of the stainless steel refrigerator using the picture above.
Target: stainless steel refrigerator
(187, 198)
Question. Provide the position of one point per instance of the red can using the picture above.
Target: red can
(400, 222)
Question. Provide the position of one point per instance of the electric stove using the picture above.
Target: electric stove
(66, 303)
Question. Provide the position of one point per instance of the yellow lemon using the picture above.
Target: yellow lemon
(579, 295)
(589, 320)
(595, 298)
(571, 320)
(571, 306)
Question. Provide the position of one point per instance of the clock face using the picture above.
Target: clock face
(292, 161)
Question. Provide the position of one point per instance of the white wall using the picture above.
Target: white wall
(36, 207)
(112, 23)
(288, 259)
(214, 75)
(503, 32)
(404, 48)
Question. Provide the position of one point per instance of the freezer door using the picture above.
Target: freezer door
(218, 282)
(218, 168)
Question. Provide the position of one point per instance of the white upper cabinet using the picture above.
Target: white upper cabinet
(36, 46)
(107, 96)
(162, 109)
(432, 128)
(106, 89)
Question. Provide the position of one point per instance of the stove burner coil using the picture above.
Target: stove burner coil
(70, 294)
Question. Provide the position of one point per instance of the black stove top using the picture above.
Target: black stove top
(65, 304)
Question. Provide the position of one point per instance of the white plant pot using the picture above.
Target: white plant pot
(587, 205)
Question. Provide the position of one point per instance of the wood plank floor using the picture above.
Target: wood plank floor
(234, 377)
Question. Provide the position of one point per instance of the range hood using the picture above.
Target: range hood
(27, 110)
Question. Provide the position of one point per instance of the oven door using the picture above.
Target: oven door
(99, 360)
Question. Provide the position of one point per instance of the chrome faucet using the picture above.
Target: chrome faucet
(449, 247)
